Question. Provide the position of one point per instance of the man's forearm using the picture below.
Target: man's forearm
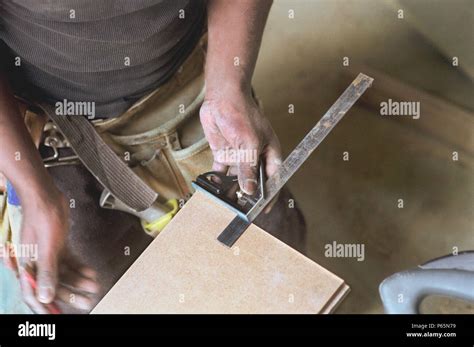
(20, 162)
(235, 31)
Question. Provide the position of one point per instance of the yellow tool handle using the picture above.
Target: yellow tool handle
(155, 227)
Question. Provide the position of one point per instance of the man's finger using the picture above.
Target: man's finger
(87, 272)
(74, 299)
(248, 179)
(71, 263)
(47, 279)
(29, 295)
(216, 166)
(270, 205)
(233, 170)
(273, 160)
(78, 282)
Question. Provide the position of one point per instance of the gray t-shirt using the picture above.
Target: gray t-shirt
(111, 52)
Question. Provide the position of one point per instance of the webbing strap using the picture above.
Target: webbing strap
(102, 162)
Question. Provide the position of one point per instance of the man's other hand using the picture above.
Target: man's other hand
(57, 275)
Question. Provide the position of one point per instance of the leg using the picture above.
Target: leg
(108, 241)
(284, 222)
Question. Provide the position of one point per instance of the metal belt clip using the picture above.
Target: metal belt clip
(153, 219)
(54, 139)
(154, 212)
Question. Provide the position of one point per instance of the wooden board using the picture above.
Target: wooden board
(186, 270)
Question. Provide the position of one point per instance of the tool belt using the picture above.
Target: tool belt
(160, 137)
(162, 133)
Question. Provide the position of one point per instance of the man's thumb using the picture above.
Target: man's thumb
(47, 279)
(248, 180)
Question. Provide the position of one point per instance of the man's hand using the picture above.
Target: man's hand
(57, 275)
(236, 129)
(230, 117)
(45, 224)
(45, 214)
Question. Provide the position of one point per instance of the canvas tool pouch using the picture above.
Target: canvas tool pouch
(160, 136)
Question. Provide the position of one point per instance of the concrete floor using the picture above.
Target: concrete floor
(355, 201)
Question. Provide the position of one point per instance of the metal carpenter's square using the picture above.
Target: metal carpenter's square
(248, 208)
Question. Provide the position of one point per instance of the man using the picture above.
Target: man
(112, 53)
